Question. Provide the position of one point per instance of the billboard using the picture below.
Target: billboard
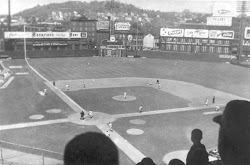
(9, 35)
(122, 26)
(78, 35)
(221, 34)
(224, 9)
(171, 32)
(219, 21)
(102, 25)
(247, 33)
(196, 33)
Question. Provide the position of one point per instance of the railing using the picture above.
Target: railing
(6, 157)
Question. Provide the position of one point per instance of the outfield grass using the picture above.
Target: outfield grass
(225, 77)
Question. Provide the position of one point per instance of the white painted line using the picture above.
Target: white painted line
(160, 112)
(212, 112)
(32, 124)
(133, 153)
(21, 73)
(7, 83)
(15, 67)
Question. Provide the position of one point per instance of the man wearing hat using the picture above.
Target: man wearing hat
(234, 133)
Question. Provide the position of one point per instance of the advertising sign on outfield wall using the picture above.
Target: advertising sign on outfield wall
(9, 35)
(171, 32)
(221, 34)
(219, 21)
(196, 33)
(247, 33)
(122, 26)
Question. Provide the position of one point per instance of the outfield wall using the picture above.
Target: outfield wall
(50, 54)
(183, 56)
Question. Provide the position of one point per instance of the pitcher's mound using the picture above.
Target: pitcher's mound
(121, 98)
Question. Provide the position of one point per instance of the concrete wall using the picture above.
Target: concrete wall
(181, 56)
(51, 54)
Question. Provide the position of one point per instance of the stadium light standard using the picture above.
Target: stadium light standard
(24, 42)
(9, 17)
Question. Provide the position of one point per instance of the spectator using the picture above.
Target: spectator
(198, 156)
(176, 162)
(146, 161)
(234, 135)
(196, 136)
(91, 149)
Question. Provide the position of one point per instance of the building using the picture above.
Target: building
(83, 24)
(149, 41)
(3, 28)
(201, 38)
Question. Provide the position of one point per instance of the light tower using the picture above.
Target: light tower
(9, 17)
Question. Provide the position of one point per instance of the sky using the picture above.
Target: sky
(204, 6)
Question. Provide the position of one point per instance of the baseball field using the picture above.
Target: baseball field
(34, 122)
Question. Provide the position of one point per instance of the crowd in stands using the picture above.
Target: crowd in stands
(233, 143)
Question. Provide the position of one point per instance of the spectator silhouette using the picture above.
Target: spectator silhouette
(91, 149)
(234, 135)
(196, 136)
(146, 161)
(197, 156)
(176, 162)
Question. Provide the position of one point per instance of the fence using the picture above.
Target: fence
(17, 154)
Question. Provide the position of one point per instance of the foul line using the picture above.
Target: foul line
(133, 153)
(162, 111)
(32, 124)
(7, 83)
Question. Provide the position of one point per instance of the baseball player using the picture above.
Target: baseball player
(110, 126)
(140, 109)
(125, 95)
(45, 91)
(90, 114)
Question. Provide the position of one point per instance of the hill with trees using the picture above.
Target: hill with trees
(151, 21)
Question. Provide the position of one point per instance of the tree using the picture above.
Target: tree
(187, 13)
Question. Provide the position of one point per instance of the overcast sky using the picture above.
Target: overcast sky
(204, 6)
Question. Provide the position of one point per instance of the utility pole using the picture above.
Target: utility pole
(9, 17)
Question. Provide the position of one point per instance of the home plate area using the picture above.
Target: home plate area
(159, 136)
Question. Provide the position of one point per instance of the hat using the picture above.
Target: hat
(233, 142)
(236, 113)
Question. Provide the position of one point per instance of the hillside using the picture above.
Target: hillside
(151, 20)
